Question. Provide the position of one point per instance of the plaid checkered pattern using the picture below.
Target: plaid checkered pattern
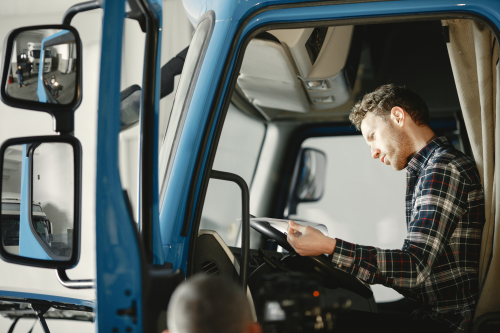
(439, 261)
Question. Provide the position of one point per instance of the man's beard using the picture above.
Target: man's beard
(400, 148)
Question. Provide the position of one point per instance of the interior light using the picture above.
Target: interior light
(328, 99)
(316, 293)
(314, 84)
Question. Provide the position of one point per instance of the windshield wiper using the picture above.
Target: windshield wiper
(40, 309)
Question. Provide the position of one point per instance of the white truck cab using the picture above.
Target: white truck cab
(11, 208)
(34, 57)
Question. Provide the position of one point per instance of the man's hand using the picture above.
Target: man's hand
(308, 241)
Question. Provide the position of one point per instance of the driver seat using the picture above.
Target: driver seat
(213, 257)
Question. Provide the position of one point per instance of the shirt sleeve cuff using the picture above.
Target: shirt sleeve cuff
(344, 254)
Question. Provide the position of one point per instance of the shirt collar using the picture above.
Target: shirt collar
(418, 162)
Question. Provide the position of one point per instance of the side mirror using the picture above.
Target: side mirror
(130, 106)
(308, 179)
(41, 196)
(42, 69)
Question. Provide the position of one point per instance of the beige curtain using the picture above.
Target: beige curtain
(473, 53)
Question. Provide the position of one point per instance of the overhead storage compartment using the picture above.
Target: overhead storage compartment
(298, 70)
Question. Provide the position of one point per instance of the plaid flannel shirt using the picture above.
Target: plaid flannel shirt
(439, 261)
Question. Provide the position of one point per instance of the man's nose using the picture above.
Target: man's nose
(375, 152)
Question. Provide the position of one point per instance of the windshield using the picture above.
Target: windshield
(15, 207)
(36, 54)
(11, 226)
(188, 80)
(41, 225)
(10, 223)
(10, 230)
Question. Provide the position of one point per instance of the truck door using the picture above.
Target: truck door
(119, 239)
(185, 192)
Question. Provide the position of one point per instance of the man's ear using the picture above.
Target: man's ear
(398, 116)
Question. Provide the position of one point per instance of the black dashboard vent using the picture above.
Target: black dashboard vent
(209, 267)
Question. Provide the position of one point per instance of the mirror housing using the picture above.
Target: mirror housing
(41, 211)
(308, 180)
(130, 106)
(55, 75)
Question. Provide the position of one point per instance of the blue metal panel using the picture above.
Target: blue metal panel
(42, 96)
(40, 91)
(119, 280)
(238, 10)
(28, 244)
(487, 8)
(228, 17)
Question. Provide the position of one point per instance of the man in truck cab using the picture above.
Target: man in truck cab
(438, 263)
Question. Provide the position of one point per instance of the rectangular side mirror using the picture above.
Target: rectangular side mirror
(308, 179)
(41, 197)
(42, 69)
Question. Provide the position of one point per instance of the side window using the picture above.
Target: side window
(238, 152)
(134, 40)
(363, 200)
(177, 34)
(183, 94)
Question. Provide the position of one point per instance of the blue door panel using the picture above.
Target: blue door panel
(119, 280)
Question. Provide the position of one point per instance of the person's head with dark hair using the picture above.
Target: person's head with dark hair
(395, 123)
(207, 304)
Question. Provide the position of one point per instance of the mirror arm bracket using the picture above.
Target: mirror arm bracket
(73, 284)
(79, 8)
(64, 122)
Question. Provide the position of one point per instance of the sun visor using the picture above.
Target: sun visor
(268, 78)
(281, 95)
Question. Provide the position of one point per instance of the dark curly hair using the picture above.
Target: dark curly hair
(384, 98)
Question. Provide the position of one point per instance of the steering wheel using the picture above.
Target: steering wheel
(320, 263)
